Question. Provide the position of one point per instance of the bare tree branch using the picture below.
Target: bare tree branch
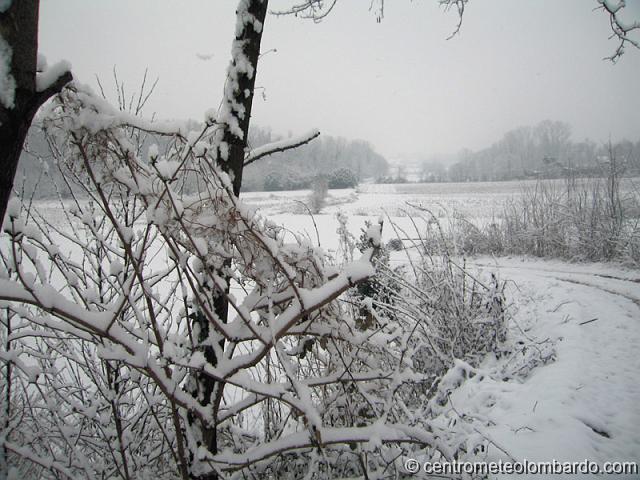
(279, 146)
(620, 29)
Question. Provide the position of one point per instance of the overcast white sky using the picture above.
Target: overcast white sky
(398, 84)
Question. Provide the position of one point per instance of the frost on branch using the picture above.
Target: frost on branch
(621, 30)
(279, 146)
(112, 323)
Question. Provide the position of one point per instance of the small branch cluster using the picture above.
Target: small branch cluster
(315, 10)
(620, 29)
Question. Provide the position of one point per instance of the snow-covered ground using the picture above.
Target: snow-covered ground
(582, 404)
(586, 403)
(474, 200)
(471, 199)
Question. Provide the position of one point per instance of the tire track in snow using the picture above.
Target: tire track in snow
(552, 272)
(635, 300)
(556, 271)
(586, 400)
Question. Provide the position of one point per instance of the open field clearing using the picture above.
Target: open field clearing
(560, 386)
(473, 200)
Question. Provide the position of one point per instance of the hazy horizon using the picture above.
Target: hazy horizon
(398, 84)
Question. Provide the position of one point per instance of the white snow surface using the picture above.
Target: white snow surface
(585, 404)
(49, 74)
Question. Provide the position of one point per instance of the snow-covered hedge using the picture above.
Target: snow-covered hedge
(156, 317)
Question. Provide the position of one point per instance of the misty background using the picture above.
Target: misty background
(521, 92)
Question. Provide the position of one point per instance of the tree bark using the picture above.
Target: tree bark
(248, 39)
(251, 39)
(19, 29)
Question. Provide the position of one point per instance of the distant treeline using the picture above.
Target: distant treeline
(342, 163)
(542, 151)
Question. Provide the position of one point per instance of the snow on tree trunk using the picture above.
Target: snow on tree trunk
(234, 118)
(20, 98)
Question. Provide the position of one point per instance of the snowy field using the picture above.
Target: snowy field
(478, 202)
(582, 404)
(583, 318)
(369, 202)
(473, 200)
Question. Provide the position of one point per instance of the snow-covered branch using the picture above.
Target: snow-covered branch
(124, 297)
(140, 275)
(95, 114)
(280, 146)
(621, 30)
(54, 77)
(326, 437)
(313, 9)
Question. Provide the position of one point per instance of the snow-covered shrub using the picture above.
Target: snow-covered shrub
(586, 219)
(285, 179)
(121, 364)
(342, 178)
(536, 221)
(376, 290)
(395, 245)
(458, 315)
(440, 316)
(455, 314)
(593, 219)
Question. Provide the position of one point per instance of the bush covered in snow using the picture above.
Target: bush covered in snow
(285, 180)
(342, 178)
(457, 315)
(121, 363)
(290, 179)
(584, 219)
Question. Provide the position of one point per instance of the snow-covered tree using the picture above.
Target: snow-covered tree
(342, 178)
(26, 83)
(121, 363)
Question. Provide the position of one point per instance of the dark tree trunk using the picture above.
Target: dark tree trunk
(19, 29)
(249, 38)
